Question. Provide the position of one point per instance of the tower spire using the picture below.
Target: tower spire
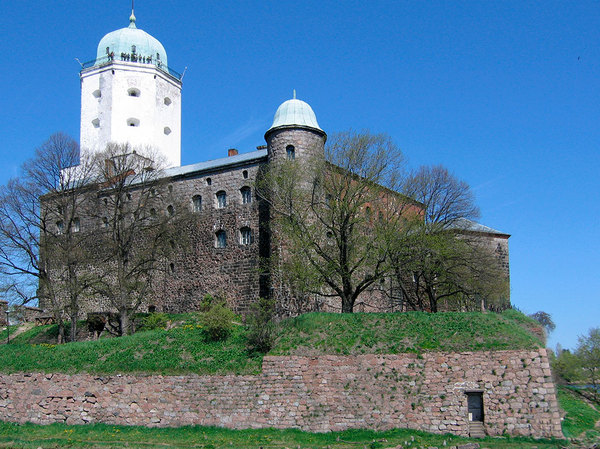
(294, 94)
(132, 17)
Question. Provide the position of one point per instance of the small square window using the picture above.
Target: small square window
(221, 199)
(246, 195)
(245, 236)
(221, 239)
(290, 152)
(197, 203)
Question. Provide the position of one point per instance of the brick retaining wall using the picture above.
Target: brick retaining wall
(318, 394)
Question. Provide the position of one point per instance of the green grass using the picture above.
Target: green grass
(179, 350)
(109, 436)
(390, 333)
(580, 417)
(185, 348)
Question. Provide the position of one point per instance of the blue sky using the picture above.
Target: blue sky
(505, 94)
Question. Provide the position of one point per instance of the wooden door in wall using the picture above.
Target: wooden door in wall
(475, 406)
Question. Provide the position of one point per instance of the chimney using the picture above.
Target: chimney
(232, 152)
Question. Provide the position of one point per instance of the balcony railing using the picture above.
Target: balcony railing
(132, 57)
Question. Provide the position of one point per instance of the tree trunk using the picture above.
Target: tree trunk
(124, 322)
(73, 328)
(61, 332)
(347, 305)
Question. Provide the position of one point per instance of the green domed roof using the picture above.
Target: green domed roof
(295, 113)
(121, 41)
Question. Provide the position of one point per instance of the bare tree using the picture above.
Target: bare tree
(588, 352)
(330, 214)
(40, 235)
(432, 258)
(135, 219)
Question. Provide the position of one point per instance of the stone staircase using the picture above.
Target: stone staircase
(476, 429)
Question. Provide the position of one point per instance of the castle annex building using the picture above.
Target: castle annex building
(130, 95)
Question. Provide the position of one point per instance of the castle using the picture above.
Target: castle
(130, 95)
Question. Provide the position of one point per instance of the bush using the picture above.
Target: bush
(217, 322)
(260, 325)
(206, 303)
(154, 321)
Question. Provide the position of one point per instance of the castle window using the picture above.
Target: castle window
(167, 101)
(97, 93)
(197, 203)
(170, 210)
(133, 92)
(167, 130)
(96, 123)
(245, 174)
(221, 199)
(133, 122)
(60, 227)
(105, 222)
(208, 181)
(221, 239)
(133, 49)
(172, 268)
(290, 152)
(246, 195)
(151, 309)
(245, 236)
(368, 213)
(76, 225)
(153, 213)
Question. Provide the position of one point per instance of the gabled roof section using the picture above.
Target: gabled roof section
(215, 164)
(464, 224)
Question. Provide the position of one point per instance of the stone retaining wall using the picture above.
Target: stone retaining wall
(317, 394)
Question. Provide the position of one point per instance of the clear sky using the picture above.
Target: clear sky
(505, 94)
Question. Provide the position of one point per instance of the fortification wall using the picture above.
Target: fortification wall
(321, 394)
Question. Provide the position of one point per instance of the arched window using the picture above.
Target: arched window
(245, 174)
(221, 239)
(76, 225)
(133, 92)
(151, 309)
(133, 122)
(246, 195)
(245, 236)
(197, 203)
(172, 268)
(105, 222)
(290, 151)
(208, 181)
(60, 226)
(368, 213)
(170, 210)
(221, 199)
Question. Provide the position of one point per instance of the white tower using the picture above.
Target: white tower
(129, 95)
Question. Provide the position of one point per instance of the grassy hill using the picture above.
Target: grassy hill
(185, 348)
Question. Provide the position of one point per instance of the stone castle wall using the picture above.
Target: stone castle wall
(319, 394)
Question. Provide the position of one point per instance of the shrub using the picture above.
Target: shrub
(260, 324)
(217, 322)
(154, 321)
(206, 303)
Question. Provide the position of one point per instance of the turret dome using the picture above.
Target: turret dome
(295, 112)
(131, 41)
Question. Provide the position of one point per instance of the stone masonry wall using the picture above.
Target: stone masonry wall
(321, 394)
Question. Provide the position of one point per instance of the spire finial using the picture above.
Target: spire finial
(132, 17)
(294, 94)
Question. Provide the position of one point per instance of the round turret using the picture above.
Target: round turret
(295, 132)
(133, 42)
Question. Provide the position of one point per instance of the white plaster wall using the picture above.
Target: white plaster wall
(115, 107)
